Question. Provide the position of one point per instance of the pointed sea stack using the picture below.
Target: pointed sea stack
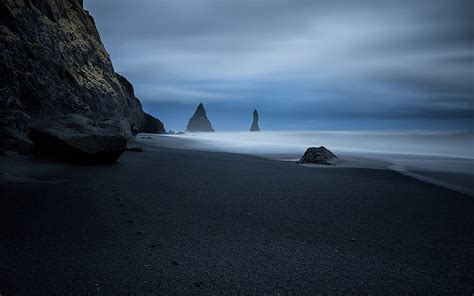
(255, 127)
(199, 122)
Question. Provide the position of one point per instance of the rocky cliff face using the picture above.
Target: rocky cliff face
(255, 127)
(53, 63)
(199, 121)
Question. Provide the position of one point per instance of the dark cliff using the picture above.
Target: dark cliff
(53, 63)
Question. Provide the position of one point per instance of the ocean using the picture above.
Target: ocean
(445, 158)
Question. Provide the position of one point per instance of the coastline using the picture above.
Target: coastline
(98, 198)
(454, 173)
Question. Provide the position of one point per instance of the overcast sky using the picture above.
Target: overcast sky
(305, 64)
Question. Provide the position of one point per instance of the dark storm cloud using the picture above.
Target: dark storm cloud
(306, 59)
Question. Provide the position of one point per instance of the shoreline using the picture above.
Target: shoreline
(459, 170)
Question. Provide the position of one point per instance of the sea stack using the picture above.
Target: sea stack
(199, 122)
(255, 127)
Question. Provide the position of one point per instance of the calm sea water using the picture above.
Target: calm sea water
(451, 144)
(444, 158)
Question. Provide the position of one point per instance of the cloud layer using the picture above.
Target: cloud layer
(305, 64)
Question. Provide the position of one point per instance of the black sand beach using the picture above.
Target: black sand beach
(168, 221)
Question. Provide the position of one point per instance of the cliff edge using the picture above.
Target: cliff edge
(53, 63)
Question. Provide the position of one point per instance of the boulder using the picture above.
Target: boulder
(78, 139)
(199, 122)
(255, 127)
(19, 145)
(318, 155)
(24, 146)
(135, 149)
